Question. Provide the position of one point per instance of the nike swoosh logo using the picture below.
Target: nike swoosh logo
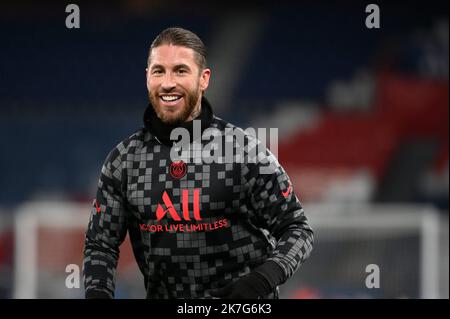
(286, 193)
(97, 208)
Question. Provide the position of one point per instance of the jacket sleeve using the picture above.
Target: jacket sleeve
(280, 215)
(106, 231)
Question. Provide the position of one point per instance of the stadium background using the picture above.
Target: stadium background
(362, 117)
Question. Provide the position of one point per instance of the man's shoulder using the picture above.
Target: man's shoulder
(250, 141)
(248, 134)
(223, 125)
(219, 123)
(131, 144)
(136, 139)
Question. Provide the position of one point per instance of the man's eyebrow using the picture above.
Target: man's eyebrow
(176, 67)
(180, 66)
(156, 66)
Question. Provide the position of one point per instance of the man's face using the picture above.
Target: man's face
(175, 82)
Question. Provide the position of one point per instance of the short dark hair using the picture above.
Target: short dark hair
(184, 38)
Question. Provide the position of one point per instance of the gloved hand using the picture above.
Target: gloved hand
(252, 286)
(96, 294)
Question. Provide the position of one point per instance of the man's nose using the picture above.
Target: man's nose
(168, 83)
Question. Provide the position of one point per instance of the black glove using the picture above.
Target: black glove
(96, 294)
(251, 286)
(257, 284)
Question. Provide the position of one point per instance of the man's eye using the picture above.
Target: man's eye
(156, 72)
(182, 71)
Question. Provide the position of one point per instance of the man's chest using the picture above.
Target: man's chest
(158, 188)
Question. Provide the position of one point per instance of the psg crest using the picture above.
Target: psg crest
(178, 169)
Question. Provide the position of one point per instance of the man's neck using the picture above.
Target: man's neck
(195, 113)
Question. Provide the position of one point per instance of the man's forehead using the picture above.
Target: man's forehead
(168, 54)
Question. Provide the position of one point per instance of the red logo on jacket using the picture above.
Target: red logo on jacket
(161, 212)
(178, 169)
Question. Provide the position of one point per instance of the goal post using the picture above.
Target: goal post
(49, 236)
(403, 240)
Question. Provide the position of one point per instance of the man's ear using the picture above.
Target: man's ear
(204, 79)
(146, 78)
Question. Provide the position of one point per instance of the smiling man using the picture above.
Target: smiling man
(220, 229)
(176, 80)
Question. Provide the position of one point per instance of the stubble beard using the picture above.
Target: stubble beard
(190, 108)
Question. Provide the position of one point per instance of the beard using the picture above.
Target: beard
(180, 116)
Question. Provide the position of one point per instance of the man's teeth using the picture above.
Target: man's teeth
(169, 98)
